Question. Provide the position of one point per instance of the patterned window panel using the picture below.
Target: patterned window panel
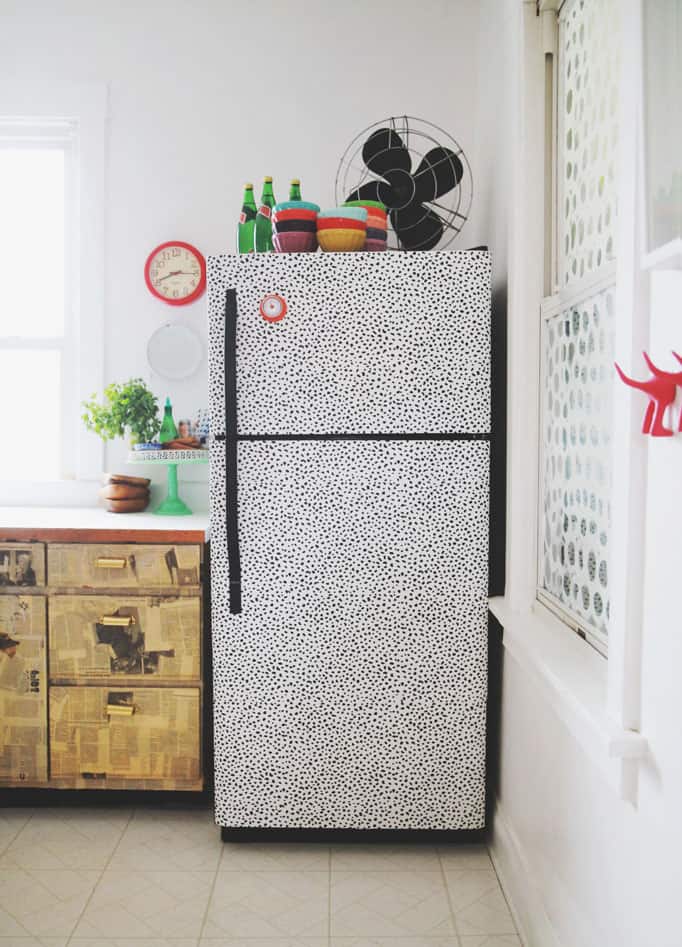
(351, 690)
(588, 136)
(576, 458)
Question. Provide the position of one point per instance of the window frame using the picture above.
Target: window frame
(35, 107)
(556, 295)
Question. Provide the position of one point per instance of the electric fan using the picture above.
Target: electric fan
(418, 171)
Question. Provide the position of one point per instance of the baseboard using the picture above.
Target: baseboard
(519, 885)
(362, 836)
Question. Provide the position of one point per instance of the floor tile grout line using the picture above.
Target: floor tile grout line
(211, 892)
(17, 834)
(101, 875)
(506, 901)
(329, 897)
(449, 899)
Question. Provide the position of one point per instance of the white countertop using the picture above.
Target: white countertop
(97, 519)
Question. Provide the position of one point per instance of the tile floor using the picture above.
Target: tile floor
(112, 878)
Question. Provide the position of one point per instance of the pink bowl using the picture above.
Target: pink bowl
(375, 245)
(294, 241)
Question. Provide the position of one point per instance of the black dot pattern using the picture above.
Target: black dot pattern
(416, 325)
(350, 692)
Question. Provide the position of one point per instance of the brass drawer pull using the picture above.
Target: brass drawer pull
(120, 621)
(107, 562)
(120, 710)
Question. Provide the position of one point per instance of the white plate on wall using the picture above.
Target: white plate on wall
(174, 351)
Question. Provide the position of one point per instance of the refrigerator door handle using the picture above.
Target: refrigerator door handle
(231, 481)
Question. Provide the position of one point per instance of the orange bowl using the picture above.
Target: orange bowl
(341, 240)
(377, 220)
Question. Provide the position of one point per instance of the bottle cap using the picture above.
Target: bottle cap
(295, 181)
(168, 402)
(248, 187)
(268, 179)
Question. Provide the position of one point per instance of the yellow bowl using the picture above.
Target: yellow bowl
(342, 240)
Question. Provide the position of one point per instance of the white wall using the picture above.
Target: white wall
(204, 95)
(589, 869)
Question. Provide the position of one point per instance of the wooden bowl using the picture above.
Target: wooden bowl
(127, 506)
(124, 491)
(124, 478)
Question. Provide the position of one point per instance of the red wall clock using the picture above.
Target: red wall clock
(176, 273)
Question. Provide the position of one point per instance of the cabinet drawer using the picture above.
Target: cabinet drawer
(22, 564)
(101, 733)
(122, 565)
(23, 690)
(98, 636)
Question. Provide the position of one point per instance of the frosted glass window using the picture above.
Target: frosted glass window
(578, 324)
(32, 244)
(588, 70)
(30, 386)
(576, 457)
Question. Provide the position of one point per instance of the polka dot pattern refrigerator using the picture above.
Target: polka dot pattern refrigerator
(350, 452)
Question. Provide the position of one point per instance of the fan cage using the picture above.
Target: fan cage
(453, 213)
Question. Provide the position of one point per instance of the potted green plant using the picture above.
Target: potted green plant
(126, 409)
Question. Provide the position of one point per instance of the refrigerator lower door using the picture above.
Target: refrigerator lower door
(350, 691)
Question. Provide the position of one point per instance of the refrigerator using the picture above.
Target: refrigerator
(349, 488)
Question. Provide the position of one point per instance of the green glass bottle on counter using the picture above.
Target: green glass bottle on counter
(263, 228)
(168, 431)
(247, 221)
(295, 190)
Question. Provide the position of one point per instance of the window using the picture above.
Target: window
(52, 159)
(578, 322)
(36, 325)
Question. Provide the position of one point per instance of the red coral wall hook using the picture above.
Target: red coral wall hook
(674, 377)
(661, 392)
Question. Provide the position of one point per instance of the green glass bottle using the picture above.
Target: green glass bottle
(295, 190)
(247, 221)
(263, 228)
(168, 430)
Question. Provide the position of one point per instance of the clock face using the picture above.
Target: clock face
(176, 273)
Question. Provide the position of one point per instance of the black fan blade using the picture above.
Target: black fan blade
(366, 192)
(439, 171)
(384, 151)
(417, 227)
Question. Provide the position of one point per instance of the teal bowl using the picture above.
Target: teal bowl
(353, 213)
(297, 205)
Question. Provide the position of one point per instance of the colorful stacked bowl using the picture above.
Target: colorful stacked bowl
(376, 223)
(294, 227)
(342, 229)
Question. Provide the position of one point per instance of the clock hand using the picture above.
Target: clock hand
(174, 273)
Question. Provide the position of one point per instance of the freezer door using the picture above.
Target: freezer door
(350, 691)
(354, 343)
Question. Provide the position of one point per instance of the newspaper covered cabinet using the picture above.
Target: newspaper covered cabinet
(124, 636)
(23, 690)
(109, 735)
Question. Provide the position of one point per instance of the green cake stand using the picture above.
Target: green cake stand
(172, 505)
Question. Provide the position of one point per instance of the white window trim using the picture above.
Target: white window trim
(86, 104)
(599, 701)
